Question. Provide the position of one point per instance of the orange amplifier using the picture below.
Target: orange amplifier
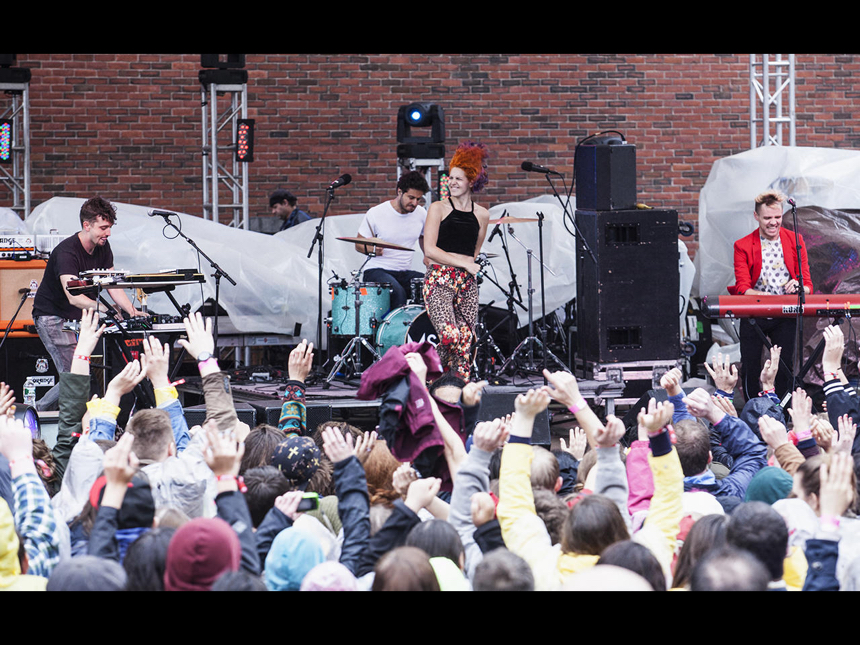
(15, 276)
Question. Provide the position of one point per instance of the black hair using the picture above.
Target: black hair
(413, 179)
(144, 561)
(437, 538)
(636, 558)
(756, 527)
(282, 195)
(264, 485)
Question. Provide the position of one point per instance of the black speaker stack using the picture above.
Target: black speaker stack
(627, 295)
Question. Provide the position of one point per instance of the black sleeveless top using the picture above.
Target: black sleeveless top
(458, 232)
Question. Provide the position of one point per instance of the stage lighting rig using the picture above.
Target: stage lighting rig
(426, 117)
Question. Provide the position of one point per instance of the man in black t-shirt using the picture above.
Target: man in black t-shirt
(53, 305)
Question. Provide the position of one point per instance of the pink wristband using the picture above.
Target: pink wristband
(578, 406)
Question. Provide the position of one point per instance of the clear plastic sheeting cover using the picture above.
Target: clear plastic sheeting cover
(821, 177)
(823, 183)
(277, 283)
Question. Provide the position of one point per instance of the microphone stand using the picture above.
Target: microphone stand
(319, 237)
(219, 273)
(801, 300)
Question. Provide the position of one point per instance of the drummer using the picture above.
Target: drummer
(399, 221)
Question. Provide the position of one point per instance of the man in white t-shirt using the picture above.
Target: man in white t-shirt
(398, 221)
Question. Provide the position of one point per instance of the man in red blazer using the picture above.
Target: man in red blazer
(766, 263)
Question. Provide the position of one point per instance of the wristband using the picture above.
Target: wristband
(831, 375)
(240, 481)
(12, 462)
(766, 392)
(82, 357)
(578, 407)
(515, 439)
(830, 522)
(207, 363)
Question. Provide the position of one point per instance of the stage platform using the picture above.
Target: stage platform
(260, 402)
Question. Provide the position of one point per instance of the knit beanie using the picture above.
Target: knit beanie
(769, 485)
(200, 551)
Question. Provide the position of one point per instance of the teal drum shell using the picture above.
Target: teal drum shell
(409, 323)
(374, 302)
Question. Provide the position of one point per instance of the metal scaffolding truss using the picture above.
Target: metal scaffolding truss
(771, 81)
(230, 176)
(16, 176)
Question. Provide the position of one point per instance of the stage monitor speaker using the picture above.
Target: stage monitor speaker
(316, 414)
(605, 177)
(498, 401)
(627, 298)
(195, 415)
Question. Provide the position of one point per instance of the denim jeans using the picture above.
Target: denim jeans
(61, 347)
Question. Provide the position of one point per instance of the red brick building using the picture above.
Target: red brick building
(128, 126)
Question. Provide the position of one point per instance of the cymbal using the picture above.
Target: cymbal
(375, 241)
(513, 220)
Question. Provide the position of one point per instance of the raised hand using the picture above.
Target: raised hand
(89, 334)
(301, 361)
(770, 369)
(671, 381)
(836, 491)
(655, 420)
(472, 392)
(336, 446)
(417, 365)
(847, 432)
(402, 478)
(726, 405)
(124, 382)
(199, 333)
(222, 452)
(157, 361)
(578, 443)
(364, 446)
(422, 492)
(609, 435)
(801, 413)
(725, 374)
(772, 431)
(563, 387)
(834, 345)
(483, 508)
(490, 435)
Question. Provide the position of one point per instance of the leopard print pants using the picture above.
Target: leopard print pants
(451, 298)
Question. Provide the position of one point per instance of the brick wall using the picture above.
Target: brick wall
(128, 126)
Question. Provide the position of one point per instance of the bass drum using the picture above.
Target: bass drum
(409, 323)
(375, 300)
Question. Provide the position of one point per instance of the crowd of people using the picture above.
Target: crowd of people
(706, 497)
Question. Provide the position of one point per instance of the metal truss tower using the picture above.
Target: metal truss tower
(15, 86)
(223, 174)
(772, 105)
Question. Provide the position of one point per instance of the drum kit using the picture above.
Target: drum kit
(361, 312)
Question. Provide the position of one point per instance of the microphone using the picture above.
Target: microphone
(157, 213)
(791, 201)
(343, 180)
(496, 231)
(528, 166)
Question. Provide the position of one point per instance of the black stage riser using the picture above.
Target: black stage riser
(627, 304)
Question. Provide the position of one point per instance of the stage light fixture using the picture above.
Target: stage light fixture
(245, 140)
(5, 141)
(423, 116)
(30, 417)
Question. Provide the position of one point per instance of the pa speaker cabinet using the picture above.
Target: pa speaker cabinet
(195, 415)
(498, 401)
(605, 177)
(627, 298)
